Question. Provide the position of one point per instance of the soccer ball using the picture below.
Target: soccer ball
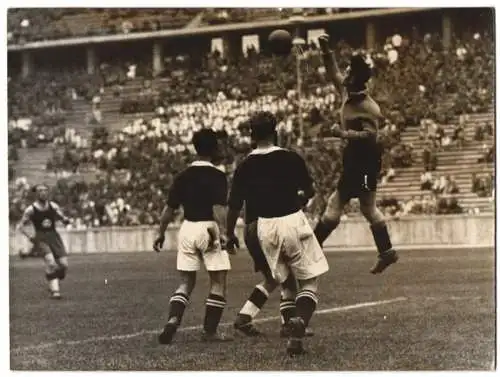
(280, 42)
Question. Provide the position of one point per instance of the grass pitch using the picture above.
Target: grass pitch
(433, 310)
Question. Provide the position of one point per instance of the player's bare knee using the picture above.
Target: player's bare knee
(188, 282)
(378, 217)
(63, 263)
(217, 288)
(62, 268)
(288, 294)
(368, 212)
(51, 269)
(49, 258)
(51, 265)
(333, 210)
(309, 284)
(371, 214)
(218, 282)
(331, 218)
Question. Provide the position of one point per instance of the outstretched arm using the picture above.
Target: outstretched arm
(330, 62)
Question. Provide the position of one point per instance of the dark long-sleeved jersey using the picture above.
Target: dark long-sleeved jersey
(268, 182)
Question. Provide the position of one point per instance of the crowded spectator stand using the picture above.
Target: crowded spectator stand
(418, 83)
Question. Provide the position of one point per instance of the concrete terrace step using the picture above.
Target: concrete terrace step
(468, 197)
(460, 175)
(32, 163)
(443, 168)
(462, 180)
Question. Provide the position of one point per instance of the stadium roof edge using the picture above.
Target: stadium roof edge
(209, 29)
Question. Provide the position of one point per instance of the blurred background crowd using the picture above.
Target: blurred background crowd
(137, 132)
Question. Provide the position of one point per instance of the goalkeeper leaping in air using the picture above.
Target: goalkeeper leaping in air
(362, 156)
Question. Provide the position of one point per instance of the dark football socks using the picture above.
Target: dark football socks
(254, 304)
(323, 229)
(178, 303)
(287, 310)
(306, 302)
(213, 312)
(381, 237)
(61, 273)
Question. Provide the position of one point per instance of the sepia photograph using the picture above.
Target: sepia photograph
(251, 189)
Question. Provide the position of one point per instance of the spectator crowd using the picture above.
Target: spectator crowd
(414, 80)
(41, 24)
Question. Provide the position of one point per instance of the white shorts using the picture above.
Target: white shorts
(289, 244)
(194, 249)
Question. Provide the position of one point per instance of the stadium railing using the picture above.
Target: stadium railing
(416, 232)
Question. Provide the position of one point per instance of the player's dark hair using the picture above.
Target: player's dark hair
(35, 187)
(205, 142)
(360, 69)
(262, 126)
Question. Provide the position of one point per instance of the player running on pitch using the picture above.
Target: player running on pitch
(360, 116)
(268, 181)
(201, 189)
(44, 214)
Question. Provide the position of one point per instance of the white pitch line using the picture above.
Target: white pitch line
(192, 328)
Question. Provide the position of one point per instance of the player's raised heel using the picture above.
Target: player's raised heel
(247, 329)
(385, 259)
(168, 333)
(216, 338)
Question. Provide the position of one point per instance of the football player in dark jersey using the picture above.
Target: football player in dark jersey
(360, 116)
(44, 214)
(260, 293)
(201, 190)
(268, 181)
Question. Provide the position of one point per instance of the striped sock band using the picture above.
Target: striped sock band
(287, 310)
(213, 312)
(255, 302)
(306, 302)
(178, 303)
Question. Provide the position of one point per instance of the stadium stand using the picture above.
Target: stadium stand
(116, 138)
(40, 24)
